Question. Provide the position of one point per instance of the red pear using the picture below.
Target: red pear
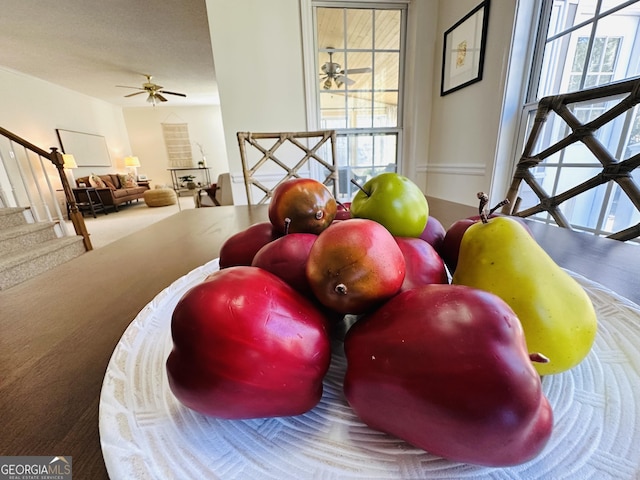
(240, 248)
(302, 205)
(354, 265)
(286, 257)
(447, 369)
(423, 264)
(434, 233)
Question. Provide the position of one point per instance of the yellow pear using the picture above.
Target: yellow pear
(559, 321)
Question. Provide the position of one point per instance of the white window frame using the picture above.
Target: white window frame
(310, 62)
(531, 79)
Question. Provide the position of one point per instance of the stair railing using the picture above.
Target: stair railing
(34, 182)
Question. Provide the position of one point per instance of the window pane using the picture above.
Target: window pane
(387, 30)
(609, 4)
(364, 156)
(385, 153)
(356, 65)
(580, 55)
(330, 22)
(546, 177)
(385, 109)
(554, 77)
(633, 145)
(359, 29)
(620, 30)
(333, 112)
(583, 210)
(360, 110)
(387, 68)
(621, 213)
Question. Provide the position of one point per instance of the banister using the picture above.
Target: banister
(13, 137)
(55, 157)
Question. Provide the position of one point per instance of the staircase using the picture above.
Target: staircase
(28, 248)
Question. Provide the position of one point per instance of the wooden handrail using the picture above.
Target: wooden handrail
(55, 157)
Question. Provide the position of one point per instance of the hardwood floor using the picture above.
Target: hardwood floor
(59, 330)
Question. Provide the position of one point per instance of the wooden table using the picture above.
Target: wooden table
(57, 331)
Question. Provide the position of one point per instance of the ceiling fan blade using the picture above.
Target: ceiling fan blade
(127, 86)
(356, 70)
(160, 97)
(342, 79)
(172, 93)
(132, 94)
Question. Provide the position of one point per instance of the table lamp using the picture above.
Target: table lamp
(70, 164)
(133, 163)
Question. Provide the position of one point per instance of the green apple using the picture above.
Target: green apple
(393, 201)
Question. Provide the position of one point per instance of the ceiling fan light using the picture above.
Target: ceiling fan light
(327, 84)
(339, 84)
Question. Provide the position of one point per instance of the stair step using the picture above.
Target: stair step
(21, 266)
(25, 236)
(12, 216)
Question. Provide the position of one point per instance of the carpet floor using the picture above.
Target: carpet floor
(105, 229)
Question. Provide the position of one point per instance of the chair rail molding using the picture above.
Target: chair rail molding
(471, 169)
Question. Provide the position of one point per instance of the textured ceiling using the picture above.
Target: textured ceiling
(92, 46)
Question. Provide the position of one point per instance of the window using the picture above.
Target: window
(583, 44)
(359, 71)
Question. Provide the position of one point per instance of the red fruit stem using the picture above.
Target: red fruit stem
(353, 180)
(287, 223)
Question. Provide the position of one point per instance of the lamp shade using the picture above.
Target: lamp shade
(131, 162)
(69, 161)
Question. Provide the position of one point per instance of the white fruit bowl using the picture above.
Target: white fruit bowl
(146, 433)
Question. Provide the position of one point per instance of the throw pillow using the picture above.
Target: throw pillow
(109, 185)
(128, 181)
(96, 182)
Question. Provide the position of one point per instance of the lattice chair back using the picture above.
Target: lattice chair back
(268, 159)
(576, 126)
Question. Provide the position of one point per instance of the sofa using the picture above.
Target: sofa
(111, 191)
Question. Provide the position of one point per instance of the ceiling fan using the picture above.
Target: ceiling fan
(333, 72)
(155, 92)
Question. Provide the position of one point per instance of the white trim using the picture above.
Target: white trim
(308, 62)
(471, 169)
(266, 178)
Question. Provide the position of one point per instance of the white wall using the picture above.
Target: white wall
(33, 109)
(420, 80)
(258, 55)
(147, 142)
(465, 125)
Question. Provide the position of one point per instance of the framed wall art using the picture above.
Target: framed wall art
(89, 150)
(463, 50)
